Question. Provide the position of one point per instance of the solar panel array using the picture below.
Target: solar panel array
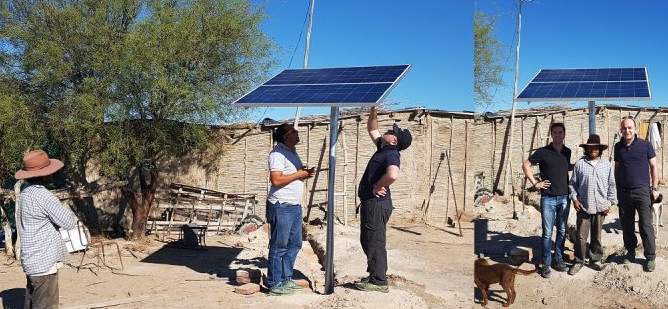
(613, 84)
(351, 86)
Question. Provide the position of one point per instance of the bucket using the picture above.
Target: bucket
(75, 239)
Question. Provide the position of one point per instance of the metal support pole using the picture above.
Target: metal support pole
(592, 117)
(329, 263)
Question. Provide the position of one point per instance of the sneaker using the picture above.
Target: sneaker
(365, 279)
(371, 287)
(597, 265)
(292, 285)
(545, 271)
(281, 289)
(628, 258)
(575, 268)
(651, 266)
(559, 266)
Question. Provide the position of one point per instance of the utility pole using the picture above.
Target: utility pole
(511, 126)
(308, 44)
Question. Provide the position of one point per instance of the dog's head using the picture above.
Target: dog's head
(481, 262)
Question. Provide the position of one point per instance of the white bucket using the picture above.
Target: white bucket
(75, 239)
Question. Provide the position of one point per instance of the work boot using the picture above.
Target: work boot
(371, 287)
(629, 257)
(545, 271)
(559, 266)
(281, 289)
(651, 266)
(575, 269)
(597, 265)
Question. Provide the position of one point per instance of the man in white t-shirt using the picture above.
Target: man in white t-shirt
(284, 212)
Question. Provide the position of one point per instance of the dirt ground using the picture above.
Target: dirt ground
(617, 286)
(430, 266)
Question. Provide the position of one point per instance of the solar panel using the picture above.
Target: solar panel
(351, 86)
(612, 84)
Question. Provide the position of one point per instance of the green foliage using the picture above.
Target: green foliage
(488, 59)
(18, 130)
(126, 81)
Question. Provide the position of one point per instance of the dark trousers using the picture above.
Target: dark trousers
(374, 215)
(589, 224)
(41, 292)
(630, 201)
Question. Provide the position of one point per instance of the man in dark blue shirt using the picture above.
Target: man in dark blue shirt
(376, 199)
(635, 162)
(553, 162)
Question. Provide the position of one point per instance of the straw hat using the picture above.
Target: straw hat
(37, 164)
(594, 140)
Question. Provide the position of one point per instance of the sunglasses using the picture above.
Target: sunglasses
(291, 131)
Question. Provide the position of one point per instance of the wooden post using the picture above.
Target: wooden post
(357, 159)
(245, 165)
(17, 212)
(524, 179)
(430, 122)
(466, 162)
(447, 183)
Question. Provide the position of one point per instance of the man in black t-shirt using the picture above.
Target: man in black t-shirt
(376, 199)
(553, 162)
(635, 162)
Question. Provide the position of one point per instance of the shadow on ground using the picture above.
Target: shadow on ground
(215, 260)
(12, 298)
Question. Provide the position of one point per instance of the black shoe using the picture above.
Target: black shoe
(559, 266)
(545, 271)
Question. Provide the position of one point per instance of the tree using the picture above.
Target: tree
(132, 82)
(488, 59)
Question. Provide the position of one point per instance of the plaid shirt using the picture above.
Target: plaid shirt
(593, 186)
(41, 244)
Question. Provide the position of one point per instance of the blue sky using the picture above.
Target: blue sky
(561, 34)
(435, 36)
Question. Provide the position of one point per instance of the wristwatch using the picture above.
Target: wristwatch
(655, 189)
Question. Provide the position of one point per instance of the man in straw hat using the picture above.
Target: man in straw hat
(593, 192)
(635, 162)
(376, 199)
(40, 214)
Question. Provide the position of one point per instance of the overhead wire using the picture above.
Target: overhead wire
(301, 34)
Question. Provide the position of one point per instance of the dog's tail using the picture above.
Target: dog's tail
(525, 272)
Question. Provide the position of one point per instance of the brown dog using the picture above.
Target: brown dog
(504, 274)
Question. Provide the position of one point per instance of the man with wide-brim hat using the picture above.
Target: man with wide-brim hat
(593, 192)
(39, 215)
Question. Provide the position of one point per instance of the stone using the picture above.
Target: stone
(247, 289)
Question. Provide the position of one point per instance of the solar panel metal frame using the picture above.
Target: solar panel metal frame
(295, 87)
(589, 98)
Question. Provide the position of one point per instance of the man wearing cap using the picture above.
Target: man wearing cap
(635, 163)
(553, 162)
(376, 199)
(284, 211)
(593, 192)
(40, 214)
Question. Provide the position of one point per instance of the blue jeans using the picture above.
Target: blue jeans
(554, 208)
(285, 241)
